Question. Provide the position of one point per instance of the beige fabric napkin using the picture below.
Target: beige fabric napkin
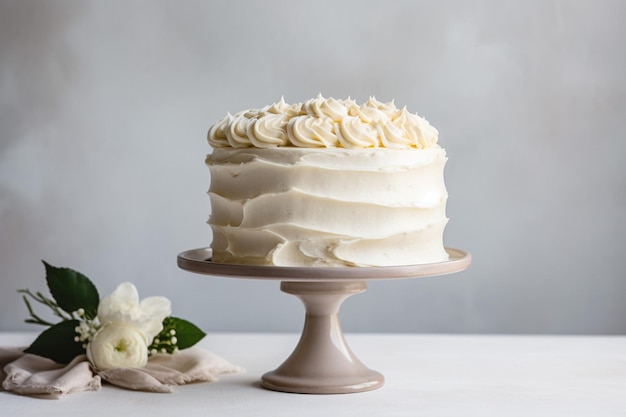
(163, 372)
(33, 375)
(37, 376)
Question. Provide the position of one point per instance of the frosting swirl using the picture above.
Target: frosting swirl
(268, 131)
(324, 122)
(311, 132)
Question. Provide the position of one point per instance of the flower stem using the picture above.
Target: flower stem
(40, 298)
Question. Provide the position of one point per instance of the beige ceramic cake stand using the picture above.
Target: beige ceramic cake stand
(322, 362)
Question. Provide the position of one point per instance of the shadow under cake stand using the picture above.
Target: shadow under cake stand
(322, 362)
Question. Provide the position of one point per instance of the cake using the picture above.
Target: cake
(326, 182)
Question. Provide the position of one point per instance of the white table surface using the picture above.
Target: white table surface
(425, 375)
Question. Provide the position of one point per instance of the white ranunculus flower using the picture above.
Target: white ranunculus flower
(118, 346)
(122, 307)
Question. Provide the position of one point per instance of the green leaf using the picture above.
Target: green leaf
(72, 290)
(57, 343)
(187, 333)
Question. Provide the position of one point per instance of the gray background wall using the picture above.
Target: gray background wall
(104, 108)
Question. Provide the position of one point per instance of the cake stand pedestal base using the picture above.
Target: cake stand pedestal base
(322, 362)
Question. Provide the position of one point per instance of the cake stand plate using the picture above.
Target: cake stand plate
(322, 362)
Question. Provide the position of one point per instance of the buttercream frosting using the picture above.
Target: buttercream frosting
(325, 123)
(327, 207)
(327, 182)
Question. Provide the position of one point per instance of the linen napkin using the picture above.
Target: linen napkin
(33, 375)
(38, 376)
(163, 372)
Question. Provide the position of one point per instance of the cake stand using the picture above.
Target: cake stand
(322, 362)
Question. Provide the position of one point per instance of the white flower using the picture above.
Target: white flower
(118, 346)
(122, 307)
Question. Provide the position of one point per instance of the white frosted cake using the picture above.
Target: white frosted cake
(327, 183)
